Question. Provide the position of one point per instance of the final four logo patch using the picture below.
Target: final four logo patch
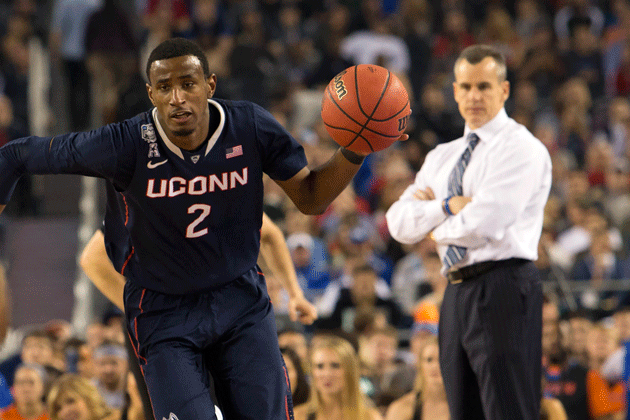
(148, 135)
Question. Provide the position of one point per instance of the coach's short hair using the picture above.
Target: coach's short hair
(476, 53)
(177, 47)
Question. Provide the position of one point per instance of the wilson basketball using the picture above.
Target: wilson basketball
(365, 108)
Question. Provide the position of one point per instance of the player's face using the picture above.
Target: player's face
(327, 372)
(73, 407)
(180, 92)
(430, 365)
(479, 92)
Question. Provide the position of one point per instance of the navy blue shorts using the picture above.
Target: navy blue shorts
(229, 333)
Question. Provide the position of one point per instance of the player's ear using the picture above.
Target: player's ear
(212, 85)
(150, 93)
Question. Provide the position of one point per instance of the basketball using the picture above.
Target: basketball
(365, 108)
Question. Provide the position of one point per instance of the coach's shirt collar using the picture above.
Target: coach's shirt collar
(488, 131)
(211, 141)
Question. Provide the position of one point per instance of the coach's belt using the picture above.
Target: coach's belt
(470, 272)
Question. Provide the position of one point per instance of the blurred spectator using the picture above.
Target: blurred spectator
(415, 26)
(361, 298)
(584, 59)
(577, 9)
(385, 378)
(580, 324)
(617, 195)
(79, 358)
(67, 43)
(542, 64)
(296, 341)
(432, 302)
(614, 42)
(111, 368)
(312, 277)
(37, 348)
(28, 391)
(428, 398)
(73, 397)
(605, 400)
(297, 378)
(409, 281)
(499, 31)
(450, 41)
(335, 373)
(564, 380)
(111, 52)
(597, 265)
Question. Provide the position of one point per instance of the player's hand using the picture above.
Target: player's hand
(404, 137)
(302, 310)
(424, 195)
(457, 203)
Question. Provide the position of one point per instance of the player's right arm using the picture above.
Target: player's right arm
(99, 153)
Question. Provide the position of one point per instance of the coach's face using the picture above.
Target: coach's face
(480, 92)
(180, 92)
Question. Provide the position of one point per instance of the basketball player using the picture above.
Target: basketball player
(189, 180)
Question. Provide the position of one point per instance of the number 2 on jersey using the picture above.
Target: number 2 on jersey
(205, 211)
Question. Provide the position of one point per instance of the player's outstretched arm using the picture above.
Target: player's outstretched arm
(312, 191)
(97, 266)
(2, 206)
(275, 253)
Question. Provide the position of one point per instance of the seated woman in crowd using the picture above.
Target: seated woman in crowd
(299, 383)
(28, 394)
(335, 392)
(428, 399)
(76, 398)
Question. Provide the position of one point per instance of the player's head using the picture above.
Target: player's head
(180, 83)
(480, 85)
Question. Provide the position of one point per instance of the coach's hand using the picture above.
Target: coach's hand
(302, 310)
(457, 203)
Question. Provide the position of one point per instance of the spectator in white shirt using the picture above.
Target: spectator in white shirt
(482, 196)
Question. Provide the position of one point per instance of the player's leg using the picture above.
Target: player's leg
(170, 358)
(459, 380)
(134, 367)
(249, 374)
(509, 368)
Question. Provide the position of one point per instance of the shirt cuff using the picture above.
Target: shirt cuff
(433, 211)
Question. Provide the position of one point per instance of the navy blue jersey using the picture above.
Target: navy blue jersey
(194, 218)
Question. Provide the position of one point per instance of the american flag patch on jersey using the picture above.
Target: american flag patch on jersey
(234, 151)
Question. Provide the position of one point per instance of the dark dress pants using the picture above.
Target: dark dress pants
(490, 344)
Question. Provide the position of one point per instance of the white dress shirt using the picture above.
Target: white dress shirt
(508, 178)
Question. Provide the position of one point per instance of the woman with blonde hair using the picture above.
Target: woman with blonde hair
(428, 398)
(335, 393)
(76, 398)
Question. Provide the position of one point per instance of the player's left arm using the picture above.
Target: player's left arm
(275, 252)
(98, 267)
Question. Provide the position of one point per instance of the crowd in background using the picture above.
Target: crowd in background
(569, 69)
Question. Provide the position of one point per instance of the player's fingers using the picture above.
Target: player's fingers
(404, 137)
(293, 314)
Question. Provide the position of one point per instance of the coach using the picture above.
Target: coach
(482, 198)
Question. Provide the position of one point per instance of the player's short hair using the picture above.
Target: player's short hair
(476, 53)
(177, 47)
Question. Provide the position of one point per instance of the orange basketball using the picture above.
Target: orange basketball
(365, 108)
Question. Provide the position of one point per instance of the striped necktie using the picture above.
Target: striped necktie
(454, 253)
